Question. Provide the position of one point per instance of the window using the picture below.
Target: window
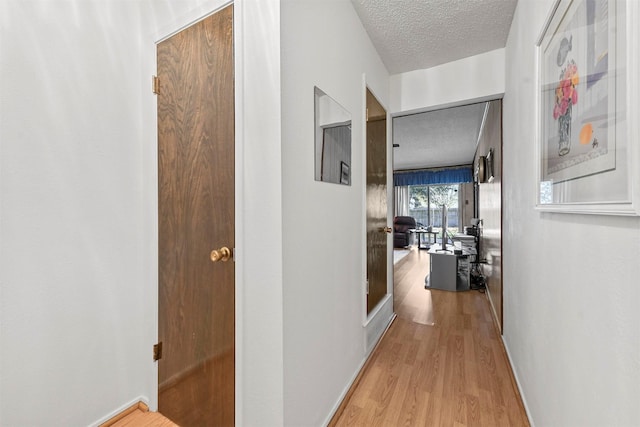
(425, 205)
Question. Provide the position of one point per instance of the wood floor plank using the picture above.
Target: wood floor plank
(400, 392)
(433, 416)
(441, 363)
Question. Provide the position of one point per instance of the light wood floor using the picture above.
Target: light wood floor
(441, 363)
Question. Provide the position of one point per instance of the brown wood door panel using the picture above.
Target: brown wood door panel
(376, 201)
(195, 215)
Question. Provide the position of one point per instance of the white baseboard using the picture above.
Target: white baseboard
(121, 409)
(496, 319)
(515, 376)
(377, 322)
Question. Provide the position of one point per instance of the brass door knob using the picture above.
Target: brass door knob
(222, 254)
(387, 229)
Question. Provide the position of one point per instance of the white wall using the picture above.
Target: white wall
(571, 294)
(260, 305)
(78, 194)
(76, 329)
(476, 78)
(324, 45)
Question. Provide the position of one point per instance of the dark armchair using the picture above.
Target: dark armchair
(401, 234)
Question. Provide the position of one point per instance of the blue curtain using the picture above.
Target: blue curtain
(455, 175)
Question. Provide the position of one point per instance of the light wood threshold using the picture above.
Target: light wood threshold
(138, 415)
(140, 406)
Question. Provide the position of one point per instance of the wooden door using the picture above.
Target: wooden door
(376, 201)
(196, 373)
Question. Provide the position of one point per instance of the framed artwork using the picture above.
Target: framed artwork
(586, 142)
(480, 174)
(345, 176)
(489, 166)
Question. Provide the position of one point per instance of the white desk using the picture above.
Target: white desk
(448, 271)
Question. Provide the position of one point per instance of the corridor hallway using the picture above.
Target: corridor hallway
(441, 363)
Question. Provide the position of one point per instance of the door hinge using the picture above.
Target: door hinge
(155, 84)
(367, 114)
(157, 351)
(367, 286)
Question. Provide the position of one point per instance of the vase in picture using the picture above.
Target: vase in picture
(564, 132)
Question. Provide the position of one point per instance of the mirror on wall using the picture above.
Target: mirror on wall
(332, 140)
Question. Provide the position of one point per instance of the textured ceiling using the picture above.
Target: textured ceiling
(437, 138)
(416, 34)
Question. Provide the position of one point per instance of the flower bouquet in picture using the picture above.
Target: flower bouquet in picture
(566, 97)
(577, 89)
